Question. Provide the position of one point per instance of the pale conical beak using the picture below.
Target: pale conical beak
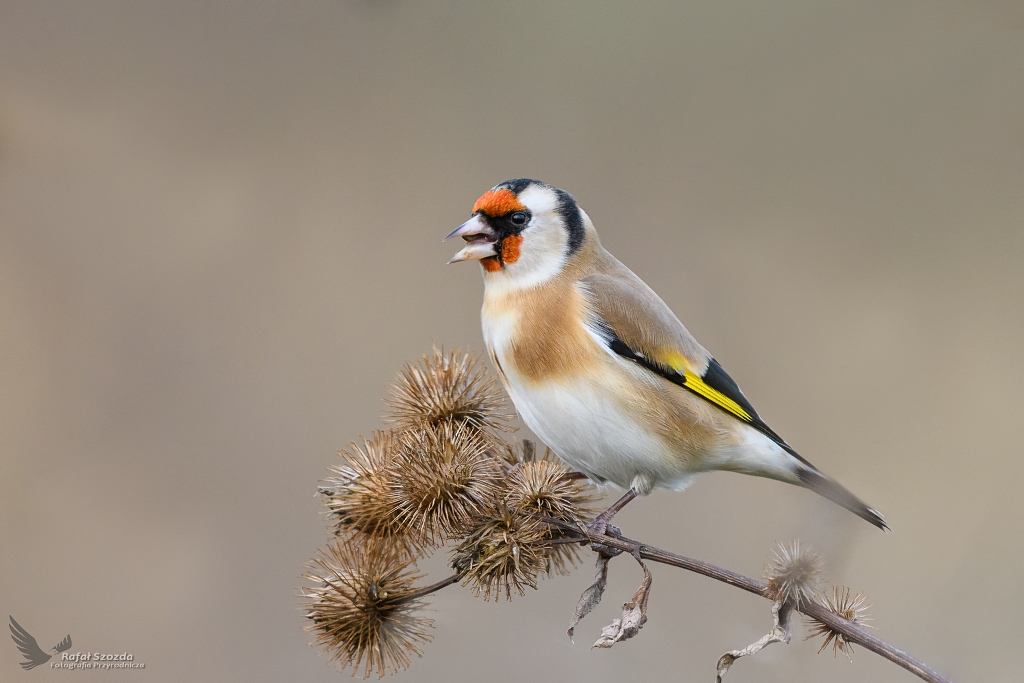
(480, 239)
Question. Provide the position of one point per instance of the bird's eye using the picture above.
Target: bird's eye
(518, 218)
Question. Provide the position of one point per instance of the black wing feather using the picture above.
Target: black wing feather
(718, 379)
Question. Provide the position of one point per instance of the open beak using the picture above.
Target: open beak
(480, 239)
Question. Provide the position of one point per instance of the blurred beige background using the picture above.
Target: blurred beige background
(220, 232)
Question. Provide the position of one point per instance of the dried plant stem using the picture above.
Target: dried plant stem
(432, 588)
(852, 632)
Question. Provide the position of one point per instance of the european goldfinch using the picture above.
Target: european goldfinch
(600, 368)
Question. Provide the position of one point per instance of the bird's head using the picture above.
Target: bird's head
(522, 231)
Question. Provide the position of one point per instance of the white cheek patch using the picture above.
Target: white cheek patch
(542, 253)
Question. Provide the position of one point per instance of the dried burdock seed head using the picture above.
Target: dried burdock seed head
(519, 452)
(501, 553)
(446, 476)
(540, 487)
(356, 491)
(851, 608)
(560, 559)
(363, 608)
(448, 387)
(794, 574)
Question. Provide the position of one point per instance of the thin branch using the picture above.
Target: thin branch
(432, 588)
(851, 631)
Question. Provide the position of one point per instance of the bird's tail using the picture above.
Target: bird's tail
(816, 481)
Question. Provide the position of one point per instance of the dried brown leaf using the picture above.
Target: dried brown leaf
(634, 616)
(591, 597)
(780, 633)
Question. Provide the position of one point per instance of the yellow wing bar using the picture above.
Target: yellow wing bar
(712, 387)
(697, 385)
(700, 386)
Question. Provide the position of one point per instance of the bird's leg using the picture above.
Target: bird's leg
(600, 523)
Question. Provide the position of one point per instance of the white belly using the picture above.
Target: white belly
(584, 424)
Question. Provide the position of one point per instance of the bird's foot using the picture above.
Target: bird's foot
(600, 527)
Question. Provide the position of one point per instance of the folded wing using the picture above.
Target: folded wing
(639, 326)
